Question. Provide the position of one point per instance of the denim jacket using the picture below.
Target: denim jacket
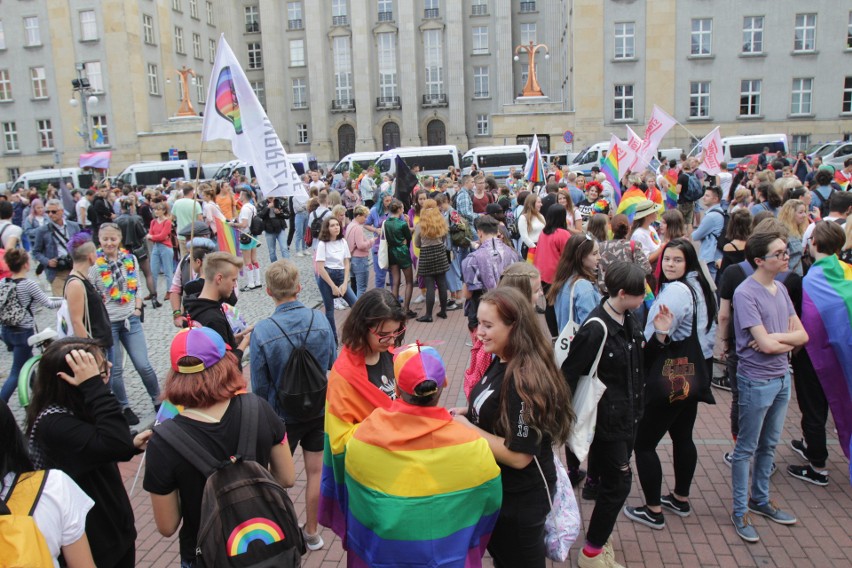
(270, 350)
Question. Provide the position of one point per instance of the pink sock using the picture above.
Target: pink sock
(591, 550)
(257, 266)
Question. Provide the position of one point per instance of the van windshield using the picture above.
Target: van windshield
(384, 165)
(224, 173)
(467, 161)
(828, 149)
(581, 157)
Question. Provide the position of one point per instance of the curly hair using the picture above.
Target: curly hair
(325, 231)
(787, 216)
(432, 222)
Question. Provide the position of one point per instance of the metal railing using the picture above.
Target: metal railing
(431, 13)
(295, 24)
(343, 104)
(388, 102)
(479, 9)
(527, 6)
(340, 20)
(435, 99)
(385, 16)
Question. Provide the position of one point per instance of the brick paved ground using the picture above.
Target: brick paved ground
(821, 538)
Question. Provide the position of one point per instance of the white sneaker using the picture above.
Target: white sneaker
(339, 304)
(419, 300)
(313, 541)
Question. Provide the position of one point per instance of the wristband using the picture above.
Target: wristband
(661, 332)
(176, 314)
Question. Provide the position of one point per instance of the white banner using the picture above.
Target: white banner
(658, 126)
(632, 147)
(711, 147)
(233, 113)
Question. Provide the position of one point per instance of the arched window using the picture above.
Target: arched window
(345, 140)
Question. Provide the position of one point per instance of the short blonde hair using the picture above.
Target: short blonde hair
(214, 263)
(282, 279)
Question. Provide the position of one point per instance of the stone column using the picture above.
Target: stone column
(454, 52)
(410, 69)
(503, 83)
(364, 76)
(275, 77)
(318, 57)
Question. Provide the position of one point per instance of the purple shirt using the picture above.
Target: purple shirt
(755, 305)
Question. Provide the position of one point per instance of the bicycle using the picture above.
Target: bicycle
(39, 341)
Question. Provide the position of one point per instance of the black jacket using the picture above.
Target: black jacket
(274, 222)
(132, 231)
(209, 314)
(621, 369)
(100, 212)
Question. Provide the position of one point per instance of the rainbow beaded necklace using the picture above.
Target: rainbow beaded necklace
(113, 291)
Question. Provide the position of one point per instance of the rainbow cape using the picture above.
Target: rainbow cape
(671, 192)
(350, 398)
(631, 198)
(534, 168)
(655, 195)
(227, 237)
(423, 490)
(841, 179)
(609, 168)
(827, 317)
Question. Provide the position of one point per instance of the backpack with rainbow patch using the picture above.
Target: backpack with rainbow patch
(21, 541)
(247, 518)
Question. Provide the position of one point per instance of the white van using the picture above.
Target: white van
(495, 160)
(39, 179)
(836, 154)
(152, 173)
(209, 171)
(433, 160)
(363, 159)
(589, 157)
(736, 147)
(301, 163)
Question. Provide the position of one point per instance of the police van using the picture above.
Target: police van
(433, 160)
(495, 160)
(39, 179)
(151, 174)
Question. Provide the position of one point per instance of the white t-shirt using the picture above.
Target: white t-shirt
(319, 184)
(725, 180)
(83, 205)
(647, 238)
(247, 213)
(333, 253)
(61, 510)
(10, 230)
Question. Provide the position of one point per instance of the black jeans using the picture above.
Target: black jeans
(678, 420)
(471, 309)
(731, 364)
(518, 537)
(814, 407)
(612, 466)
(429, 281)
(550, 313)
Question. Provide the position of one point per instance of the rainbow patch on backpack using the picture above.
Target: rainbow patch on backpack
(258, 528)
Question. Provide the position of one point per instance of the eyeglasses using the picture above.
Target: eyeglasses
(51, 211)
(385, 337)
(779, 255)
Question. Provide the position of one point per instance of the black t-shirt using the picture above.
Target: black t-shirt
(381, 375)
(683, 182)
(98, 323)
(484, 411)
(167, 471)
(546, 202)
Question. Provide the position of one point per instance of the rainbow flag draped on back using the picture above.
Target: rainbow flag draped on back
(351, 397)
(655, 195)
(423, 490)
(671, 192)
(841, 179)
(827, 317)
(534, 168)
(609, 168)
(631, 198)
(227, 237)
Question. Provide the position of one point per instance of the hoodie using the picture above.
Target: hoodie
(209, 314)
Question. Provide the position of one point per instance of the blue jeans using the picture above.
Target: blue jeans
(131, 336)
(281, 238)
(162, 258)
(15, 339)
(454, 274)
(381, 273)
(299, 237)
(361, 270)
(336, 275)
(762, 409)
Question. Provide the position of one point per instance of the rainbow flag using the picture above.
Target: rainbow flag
(423, 490)
(631, 198)
(655, 195)
(841, 179)
(167, 412)
(227, 236)
(351, 397)
(609, 168)
(534, 168)
(827, 317)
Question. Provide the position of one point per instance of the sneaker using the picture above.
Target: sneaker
(772, 512)
(452, 306)
(130, 416)
(576, 475)
(606, 559)
(609, 554)
(644, 516)
(800, 448)
(722, 383)
(339, 304)
(313, 541)
(590, 490)
(418, 300)
(744, 528)
(675, 505)
(809, 474)
(728, 458)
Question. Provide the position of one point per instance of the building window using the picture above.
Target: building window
(88, 26)
(802, 96)
(92, 72)
(32, 31)
(196, 46)
(479, 8)
(750, 97)
(342, 55)
(3, 36)
(148, 29)
(45, 134)
(179, 47)
(848, 32)
(252, 19)
(200, 89)
(153, 80)
(434, 60)
(431, 9)
(481, 124)
(260, 92)
(10, 137)
(13, 173)
(300, 93)
(699, 99)
(177, 5)
(387, 66)
(528, 34)
(804, 38)
(211, 47)
(385, 10)
(525, 72)
(846, 107)
(702, 37)
(100, 130)
(193, 9)
(480, 82)
(294, 16)
(623, 102)
(302, 133)
(625, 40)
(753, 34)
(6, 86)
(255, 55)
(799, 143)
(39, 80)
(297, 53)
(480, 40)
(339, 15)
(211, 18)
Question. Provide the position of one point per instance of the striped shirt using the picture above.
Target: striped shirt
(29, 293)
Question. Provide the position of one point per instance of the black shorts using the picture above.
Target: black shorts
(310, 434)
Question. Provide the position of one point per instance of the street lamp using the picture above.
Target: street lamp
(81, 87)
(531, 89)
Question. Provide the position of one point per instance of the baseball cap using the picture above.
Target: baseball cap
(415, 363)
(200, 342)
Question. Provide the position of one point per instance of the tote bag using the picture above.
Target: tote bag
(566, 336)
(680, 372)
(383, 250)
(589, 391)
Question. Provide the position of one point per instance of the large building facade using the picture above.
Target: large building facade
(339, 76)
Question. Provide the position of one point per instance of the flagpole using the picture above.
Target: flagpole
(197, 180)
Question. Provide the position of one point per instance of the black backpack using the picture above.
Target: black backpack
(721, 240)
(302, 384)
(823, 202)
(247, 518)
(693, 190)
(256, 225)
(316, 224)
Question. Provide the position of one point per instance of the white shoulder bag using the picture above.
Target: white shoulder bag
(589, 391)
(566, 336)
(383, 250)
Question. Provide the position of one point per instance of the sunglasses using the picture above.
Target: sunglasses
(52, 211)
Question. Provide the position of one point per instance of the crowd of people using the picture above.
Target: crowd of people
(659, 284)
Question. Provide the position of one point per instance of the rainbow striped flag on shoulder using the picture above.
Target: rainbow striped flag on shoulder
(827, 317)
(609, 168)
(423, 490)
(534, 168)
(350, 398)
(631, 198)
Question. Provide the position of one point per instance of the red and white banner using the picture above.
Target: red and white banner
(711, 146)
(632, 147)
(658, 126)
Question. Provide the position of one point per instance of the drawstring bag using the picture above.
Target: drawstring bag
(562, 525)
